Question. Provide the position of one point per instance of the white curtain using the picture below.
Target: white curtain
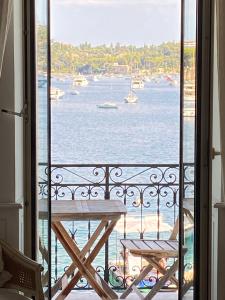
(5, 15)
(220, 17)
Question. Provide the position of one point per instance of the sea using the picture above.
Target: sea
(146, 132)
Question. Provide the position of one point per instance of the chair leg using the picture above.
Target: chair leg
(163, 280)
(186, 287)
(155, 263)
(141, 276)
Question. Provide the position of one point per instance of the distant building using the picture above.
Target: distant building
(118, 69)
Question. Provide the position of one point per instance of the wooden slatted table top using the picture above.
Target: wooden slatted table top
(159, 248)
(69, 210)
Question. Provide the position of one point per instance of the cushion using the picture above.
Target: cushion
(6, 294)
(5, 276)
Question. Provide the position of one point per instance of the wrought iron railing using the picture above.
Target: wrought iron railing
(151, 195)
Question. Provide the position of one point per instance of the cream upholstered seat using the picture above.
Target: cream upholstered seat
(6, 294)
(26, 274)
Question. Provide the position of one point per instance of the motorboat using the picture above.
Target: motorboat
(80, 80)
(74, 92)
(56, 93)
(173, 82)
(137, 83)
(189, 91)
(189, 112)
(108, 105)
(147, 79)
(95, 78)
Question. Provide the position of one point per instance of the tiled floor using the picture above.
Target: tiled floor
(89, 295)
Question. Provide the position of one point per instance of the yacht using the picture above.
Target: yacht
(108, 105)
(56, 93)
(189, 112)
(189, 91)
(80, 80)
(189, 109)
(137, 83)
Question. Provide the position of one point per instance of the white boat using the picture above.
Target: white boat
(189, 112)
(137, 83)
(189, 91)
(95, 78)
(80, 80)
(108, 105)
(147, 79)
(56, 93)
(74, 92)
(131, 98)
(174, 83)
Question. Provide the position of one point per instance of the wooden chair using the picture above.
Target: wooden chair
(26, 273)
(154, 251)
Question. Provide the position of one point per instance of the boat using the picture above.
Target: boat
(74, 92)
(61, 78)
(108, 105)
(95, 78)
(131, 97)
(147, 79)
(171, 81)
(42, 81)
(56, 93)
(189, 112)
(80, 80)
(189, 91)
(137, 83)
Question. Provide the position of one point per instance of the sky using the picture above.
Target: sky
(135, 22)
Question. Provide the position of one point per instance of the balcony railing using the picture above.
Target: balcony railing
(151, 195)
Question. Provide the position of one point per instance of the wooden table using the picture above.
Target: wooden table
(108, 212)
(188, 208)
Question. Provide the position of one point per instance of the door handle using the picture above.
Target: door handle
(215, 153)
(22, 114)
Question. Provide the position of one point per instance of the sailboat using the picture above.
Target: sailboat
(131, 97)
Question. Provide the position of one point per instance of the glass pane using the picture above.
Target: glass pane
(115, 112)
(42, 123)
(189, 113)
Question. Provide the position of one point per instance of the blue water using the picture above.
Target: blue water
(145, 132)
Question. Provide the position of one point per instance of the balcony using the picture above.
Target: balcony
(151, 195)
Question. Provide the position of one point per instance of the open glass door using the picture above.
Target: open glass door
(43, 139)
(187, 154)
